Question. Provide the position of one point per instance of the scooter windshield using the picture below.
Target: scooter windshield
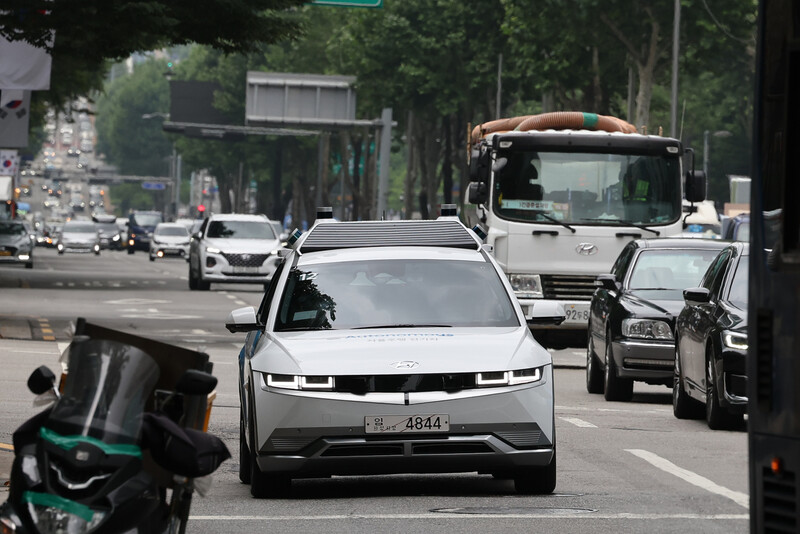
(105, 391)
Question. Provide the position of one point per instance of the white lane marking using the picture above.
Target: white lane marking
(436, 515)
(62, 346)
(240, 302)
(183, 278)
(231, 296)
(578, 422)
(224, 363)
(739, 498)
(611, 410)
(237, 345)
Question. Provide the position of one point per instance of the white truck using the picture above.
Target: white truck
(562, 193)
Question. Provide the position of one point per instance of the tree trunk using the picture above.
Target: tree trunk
(411, 168)
(447, 163)
(358, 146)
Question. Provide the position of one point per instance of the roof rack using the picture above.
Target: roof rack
(428, 233)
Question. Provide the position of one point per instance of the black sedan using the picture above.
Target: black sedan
(711, 343)
(633, 309)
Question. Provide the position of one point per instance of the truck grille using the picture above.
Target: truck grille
(780, 502)
(245, 260)
(567, 287)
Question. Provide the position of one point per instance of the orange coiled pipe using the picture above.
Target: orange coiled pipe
(557, 120)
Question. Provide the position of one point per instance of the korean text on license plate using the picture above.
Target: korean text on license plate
(397, 424)
(577, 313)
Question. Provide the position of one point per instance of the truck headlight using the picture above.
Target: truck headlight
(646, 329)
(734, 340)
(526, 286)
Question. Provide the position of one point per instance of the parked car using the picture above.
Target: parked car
(711, 343)
(169, 239)
(233, 248)
(737, 228)
(78, 236)
(392, 347)
(15, 243)
(140, 228)
(632, 313)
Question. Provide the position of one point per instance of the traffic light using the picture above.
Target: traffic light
(201, 208)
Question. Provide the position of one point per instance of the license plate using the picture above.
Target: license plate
(577, 313)
(245, 269)
(5, 253)
(405, 424)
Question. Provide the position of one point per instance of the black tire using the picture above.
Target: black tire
(202, 285)
(263, 486)
(192, 279)
(29, 265)
(717, 417)
(683, 406)
(130, 250)
(152, 258)
(594, 373)
(536, 480)
(60, 252)
(614, 387)
(244, 453)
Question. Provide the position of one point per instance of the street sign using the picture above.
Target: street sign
(349, 3)
(153, 186)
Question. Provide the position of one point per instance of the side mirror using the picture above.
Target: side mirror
(479, 162)
(547, 313)
(696, 295)
(477, 193)
(607, 282)
(195, 382)
(242, 320)
(695, 186)
(41, 380)
(196, 235)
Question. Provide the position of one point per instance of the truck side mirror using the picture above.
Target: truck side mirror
(695, 186)
(477, 193)
(479, 164)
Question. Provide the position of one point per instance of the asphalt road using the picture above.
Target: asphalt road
(622, 467)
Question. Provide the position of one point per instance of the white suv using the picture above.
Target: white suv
(233, 248)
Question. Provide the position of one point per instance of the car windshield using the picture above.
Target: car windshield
(740, 285)
(240, 230)
(394, 293)
(145, 219)
(172, 230)
(80, 228)
(108, 228)
(670, 268)
(574, 188)
(11, 228)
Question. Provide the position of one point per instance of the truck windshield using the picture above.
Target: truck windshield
(576, 188)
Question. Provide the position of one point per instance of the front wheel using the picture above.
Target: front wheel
(536, 480)
(130, 250)
(616, 388)
(717, 417)
(594, 374)
(683, 406)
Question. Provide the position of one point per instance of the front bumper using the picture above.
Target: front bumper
(644, 360)
(19, 256)
(78, 247)
(734, 378)
(322, 434)
(167, 249)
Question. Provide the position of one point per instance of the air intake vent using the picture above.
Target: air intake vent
(565, 287)
(780, 502)
(764, 369)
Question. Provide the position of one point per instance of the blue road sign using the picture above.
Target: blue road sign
(153, 186)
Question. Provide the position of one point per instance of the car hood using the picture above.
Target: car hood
(380, 351)
(14, 240)
(70, 236)
(653, 303)
(174, 239)
(250, 246)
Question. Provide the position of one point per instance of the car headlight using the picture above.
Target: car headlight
(646, 329)
(115, 238)
(734, 340)
(526, 286)
(313, 383)
(213, 250)
(508, 378)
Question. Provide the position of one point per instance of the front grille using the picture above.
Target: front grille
(289, 444)
(451, 448)
(12, 250)
(362, 384)
(567, 287)
(245, 260)
(780, 498)
(642, 363)
(366, 449)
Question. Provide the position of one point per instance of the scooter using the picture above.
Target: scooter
(114, 453)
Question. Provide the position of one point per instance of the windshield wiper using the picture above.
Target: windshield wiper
(565, 225)
(410, 325)
(623, 222)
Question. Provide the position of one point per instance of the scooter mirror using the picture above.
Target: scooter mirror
(194, 382)
(41, 380)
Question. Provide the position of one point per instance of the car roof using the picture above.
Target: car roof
(238, 217)
(681, 242)
(445, 232)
